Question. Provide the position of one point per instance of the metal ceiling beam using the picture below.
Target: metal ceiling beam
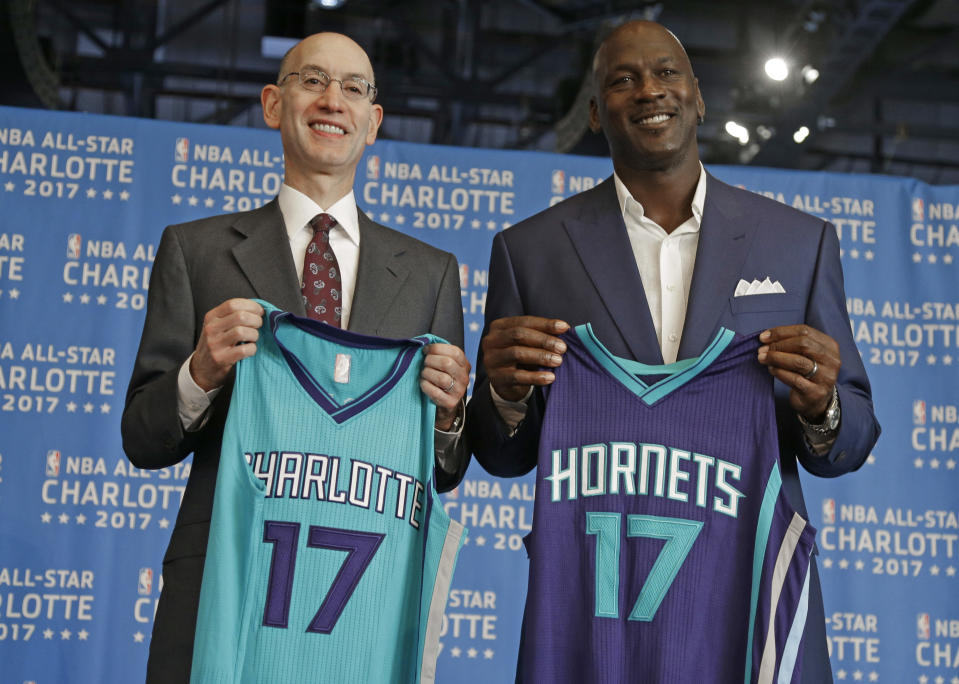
(857, 41)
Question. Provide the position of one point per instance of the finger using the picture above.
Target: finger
(520, 377)
(522, 337)
(512, 357)
(545, 325)
(442, 399)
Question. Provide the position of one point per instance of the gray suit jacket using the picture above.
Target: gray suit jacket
(404, 288)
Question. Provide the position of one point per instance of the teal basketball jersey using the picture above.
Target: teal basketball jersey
(330, 555)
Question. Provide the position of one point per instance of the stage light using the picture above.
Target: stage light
(810, 73)
(801, 134)
(738, 132)
(777, 69)
(328, 4)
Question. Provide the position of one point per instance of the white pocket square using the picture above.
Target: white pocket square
(767, 286)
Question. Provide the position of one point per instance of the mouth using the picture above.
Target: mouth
(653, 119)
(326, 127)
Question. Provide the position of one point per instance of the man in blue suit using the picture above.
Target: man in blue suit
(657, 258)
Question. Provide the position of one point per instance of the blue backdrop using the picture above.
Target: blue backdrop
(83, 200)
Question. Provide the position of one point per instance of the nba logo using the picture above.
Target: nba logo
(918, 212)
(922, 626)
(464, 276)
(559, 181)
(829, 511)
(373, 167)
(53, 463)
(145, 581)
(181, 152)
(74, 240)
(919, 412)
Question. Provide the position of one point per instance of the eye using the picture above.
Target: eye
(620, 82)
(355, 86)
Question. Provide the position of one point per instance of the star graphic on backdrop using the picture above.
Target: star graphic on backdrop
(63, 518)
(841, 674)
(917, 463)
(400, 219)
(857, 675)
(506, 224)
(480, 540)
(842, 252)
(72, 407)
(931, 258)
(873, 676)
(88, 408)
(870, 255)
(472, 652)
(108, 194)
(947, 258)
(80, 518)
(193, 200)
(208, 202)
(934, 570)
(384, 217)
(488, 654)
(9, 187)
(860, 565)
(934, 463)
(14, 293)
(84, 298)
(923, 679)
(48, 633)
(138, 637)
(827, 562)
(68, 297)
(951, 571)
(46, 517)
(947, 360)
(83, 634)
(951, 464)
(101, 299)
(455, 652)
(91, 193)
(163, 523)
(854, 253)
(474, 326)
(916, 257)
(66, 634)
(491, 225)
(843, 563)
(871, 459)
(124, 195)
(104, 408)
(475, 223)
(176, 199)
(931, 359)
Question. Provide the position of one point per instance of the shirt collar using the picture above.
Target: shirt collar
(630, 207)
(299, 209)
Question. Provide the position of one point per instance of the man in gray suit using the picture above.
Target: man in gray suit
(200, 318)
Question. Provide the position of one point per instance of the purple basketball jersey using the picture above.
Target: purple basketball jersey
(662, 549)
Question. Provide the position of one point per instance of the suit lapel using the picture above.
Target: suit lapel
(265, 258)
(380, 275)
(724, 240)
(599, 236)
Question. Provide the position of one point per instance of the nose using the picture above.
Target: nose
(332, 97)
(649, 88)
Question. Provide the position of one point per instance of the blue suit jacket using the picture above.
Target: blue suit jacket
(574, 261)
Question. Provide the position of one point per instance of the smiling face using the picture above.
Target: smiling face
(323, 134)
(647, 101)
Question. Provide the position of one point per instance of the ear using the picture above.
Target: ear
(270, 100)
(594, 125)
(700, 105)
(376, 118)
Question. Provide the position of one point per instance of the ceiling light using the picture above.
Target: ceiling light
(777, 69)
(328, 4)
(801, 134)
(810, 73)
(738, 132)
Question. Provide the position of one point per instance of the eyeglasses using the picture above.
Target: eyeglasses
(353, 88)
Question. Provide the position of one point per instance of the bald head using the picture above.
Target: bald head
(638, 31)
(327, 41)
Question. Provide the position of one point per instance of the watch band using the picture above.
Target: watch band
(831, 420)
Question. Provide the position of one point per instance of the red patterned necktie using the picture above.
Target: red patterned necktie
(321, 288)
